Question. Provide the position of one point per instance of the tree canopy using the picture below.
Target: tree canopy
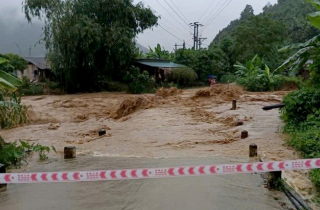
(90, 40)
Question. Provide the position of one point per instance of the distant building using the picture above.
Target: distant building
(157, 67)
(38, 69)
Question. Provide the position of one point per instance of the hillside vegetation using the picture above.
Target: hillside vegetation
(277, 26)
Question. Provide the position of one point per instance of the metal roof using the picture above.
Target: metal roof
(40, 62)
(160, 63)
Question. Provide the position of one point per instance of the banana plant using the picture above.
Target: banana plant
(158, 53)
(9, 83)
(12, 113)
(251, 67)
(309, 50)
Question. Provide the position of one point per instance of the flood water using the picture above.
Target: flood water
(244, 191)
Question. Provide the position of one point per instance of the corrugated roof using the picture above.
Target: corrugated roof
(160, 64)
(40, 62)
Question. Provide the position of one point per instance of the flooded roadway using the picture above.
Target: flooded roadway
(244, 191)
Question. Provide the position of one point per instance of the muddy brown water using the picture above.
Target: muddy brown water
(244, 191)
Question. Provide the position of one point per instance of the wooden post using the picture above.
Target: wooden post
(244, 134)
(253, 150)
(70, 152)
(234, 104)
(102, 132)
(2, 171)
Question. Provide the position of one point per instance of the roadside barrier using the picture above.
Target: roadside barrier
(150, 173)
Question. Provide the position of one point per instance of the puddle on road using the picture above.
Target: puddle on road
(244, 191)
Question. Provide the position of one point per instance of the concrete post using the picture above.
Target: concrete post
(102, 132)
(234, 104)
(253, 150)
(70, 152)
(239, 123)
(274, 180)
(244, 134)
(2, 171)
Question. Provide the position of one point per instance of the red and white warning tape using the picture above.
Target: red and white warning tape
(106, 175)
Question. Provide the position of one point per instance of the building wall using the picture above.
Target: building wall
(27, 72)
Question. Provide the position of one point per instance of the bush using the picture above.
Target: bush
(228, 78)
(300, 104)
(139, 83)
(184, 77)
(257, 83)
(29, 89)
(13, 154)
(302, 117)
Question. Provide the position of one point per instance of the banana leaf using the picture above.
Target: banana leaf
(10, 78)
(297, 60)
(7, 86)
(315, 3)
(314, 19)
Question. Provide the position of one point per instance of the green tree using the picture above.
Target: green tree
(90, 40)
(17, 62)
(247, 12)
(5, 64)
(204, 62)
(258, 35)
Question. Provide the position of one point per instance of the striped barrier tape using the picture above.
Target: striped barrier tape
(127, 174)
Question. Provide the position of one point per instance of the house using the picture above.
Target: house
(156, 67)
(38, 69)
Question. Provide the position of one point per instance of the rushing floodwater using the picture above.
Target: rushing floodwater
(243, 191)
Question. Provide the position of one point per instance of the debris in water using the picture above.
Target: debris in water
(165, 92)
(131, 105)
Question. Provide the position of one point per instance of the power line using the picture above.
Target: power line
(176, 12)
(214, 11)
(161, 17)
(171, 14)
(170, 33)
(169, 28)
(218, 14)
(179, 11)
(207, 10)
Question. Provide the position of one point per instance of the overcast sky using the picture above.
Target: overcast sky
(17, 35)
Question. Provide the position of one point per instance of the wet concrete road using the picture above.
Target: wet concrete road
(243, 191)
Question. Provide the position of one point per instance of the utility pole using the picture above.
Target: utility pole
(200, 42)
(18, 48)
(177, 45)
(196, 34)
